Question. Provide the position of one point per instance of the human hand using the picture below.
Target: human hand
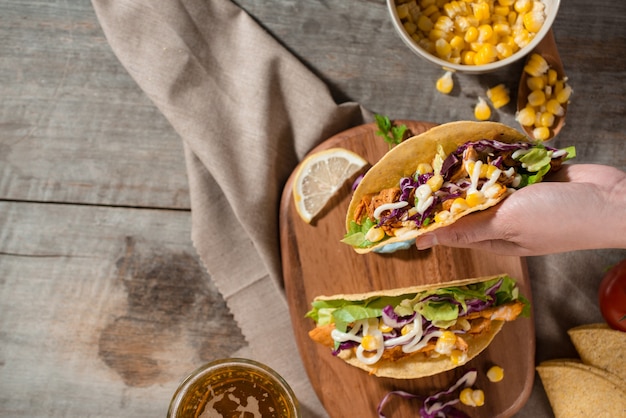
(581, 206)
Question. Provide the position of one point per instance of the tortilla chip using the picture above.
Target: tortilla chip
(577, 390)
(601, 346)
(402, 161)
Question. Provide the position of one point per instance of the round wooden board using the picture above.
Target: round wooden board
(315, 262)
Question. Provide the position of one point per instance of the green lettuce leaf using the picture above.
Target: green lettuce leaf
(356, 233)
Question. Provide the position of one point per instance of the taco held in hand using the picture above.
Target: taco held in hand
(433, 179)
(419, 331)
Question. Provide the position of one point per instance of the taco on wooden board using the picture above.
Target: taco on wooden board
(417, 331)
(431, 180)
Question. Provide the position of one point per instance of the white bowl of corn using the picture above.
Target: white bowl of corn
(472, 36)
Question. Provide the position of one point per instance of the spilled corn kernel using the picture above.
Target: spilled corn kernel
(482, 111)
(445, 84)
(472, 397)
(495, 374)
(499, 96)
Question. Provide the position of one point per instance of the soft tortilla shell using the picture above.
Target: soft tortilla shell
(600, 346)
(402, 161)
(413, 367)
(578, 390)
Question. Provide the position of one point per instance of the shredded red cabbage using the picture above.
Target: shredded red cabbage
(438, 405)
(393, 320)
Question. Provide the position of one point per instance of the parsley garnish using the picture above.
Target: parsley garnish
(392, 134)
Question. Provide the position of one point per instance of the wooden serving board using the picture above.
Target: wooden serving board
(315, 262)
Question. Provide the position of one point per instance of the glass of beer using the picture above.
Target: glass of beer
(232, 388)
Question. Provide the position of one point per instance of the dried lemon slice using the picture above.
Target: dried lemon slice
(319, 176)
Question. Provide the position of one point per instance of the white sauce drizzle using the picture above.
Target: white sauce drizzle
(415, 332)
(424, 197)
(388, 206)
(370, 327)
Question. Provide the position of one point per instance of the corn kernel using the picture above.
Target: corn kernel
(541, 133)
(502, 29)
(471, 34)
(443, 48)
(444, 23)
(535, 83)
(504, 50)
(471, 397)
(445, 343)
(506, 3)
(435, 182)
(536, 98)
(499, 96)
(485, 32)
(458, 357)
(447, 337)
(430, 10)
(482, 111)
(526, 116)
(475, 198)
(424, 23)
(481, 10)
(500, 10)
(494, 191)
(403, 11)
(423, 168)
(564, 95)
(382, 327)
(552, 76)
(457, 42)
(375, 234)
(459, 205)
(553, 106)
(536, 65)
(442, 216)
(495, 374)
(468, 57)
(370, 342)
(545, 119)
(523, 6)
(533, 21)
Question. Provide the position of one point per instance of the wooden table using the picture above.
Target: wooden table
(104, 305)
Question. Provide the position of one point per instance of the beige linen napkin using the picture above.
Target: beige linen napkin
(247, 112)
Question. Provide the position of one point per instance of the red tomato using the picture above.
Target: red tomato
(612, 296)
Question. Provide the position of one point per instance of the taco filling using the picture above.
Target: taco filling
(450, 323)
(475, 176)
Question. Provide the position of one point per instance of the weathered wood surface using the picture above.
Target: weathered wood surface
(92, 180)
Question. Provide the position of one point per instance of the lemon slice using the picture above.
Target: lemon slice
(319, 176)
